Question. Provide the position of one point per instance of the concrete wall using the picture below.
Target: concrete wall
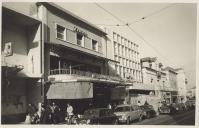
(18, 36)
(182, 90)
(54, 17)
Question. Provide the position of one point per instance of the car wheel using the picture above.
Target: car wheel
(169, 111)
(140, 118)
(148, 115)
(128, 120)
(115, 121)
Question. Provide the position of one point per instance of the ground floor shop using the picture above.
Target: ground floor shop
(17, 93)
(85, 95)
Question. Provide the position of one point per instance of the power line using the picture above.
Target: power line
(151, 14)
(117, 25)
(110, 13)
(126, 24)
(139, 35)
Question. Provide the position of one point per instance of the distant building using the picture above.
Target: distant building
(181, 84)
(172, 82)
(191, 93)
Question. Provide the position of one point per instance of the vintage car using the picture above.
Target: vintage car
(127, 113)
(172, 108)
(148, 111)
(190, 104)
(167, 109)
(98, 116)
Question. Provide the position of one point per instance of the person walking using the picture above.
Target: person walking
(69, 113)
(31, 110)
(109, 106)
(55, 113)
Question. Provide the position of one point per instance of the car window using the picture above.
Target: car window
(92, 112)
(122, 109)
(105, 112)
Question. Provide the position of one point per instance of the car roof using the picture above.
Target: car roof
(125, 105)
(97, 109)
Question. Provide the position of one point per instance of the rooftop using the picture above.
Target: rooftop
(51, 4)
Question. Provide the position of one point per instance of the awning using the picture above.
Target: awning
(141, 86)
(70, 90)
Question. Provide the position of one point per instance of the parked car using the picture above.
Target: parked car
(98, 116)
(167, 109)
(190, 104)
(148, 111)
(127, 113)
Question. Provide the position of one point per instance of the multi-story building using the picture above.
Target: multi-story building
(21, 64)
(54, 55)
(126, 55)
(181, 85)
(76, 62)
(172, 82)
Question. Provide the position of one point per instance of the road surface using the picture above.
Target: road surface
(181, 118)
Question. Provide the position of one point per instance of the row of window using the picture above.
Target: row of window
(123, 71)
(124, 42)
(124, 51)
(61, 33)
(133, 59)
(128, 63)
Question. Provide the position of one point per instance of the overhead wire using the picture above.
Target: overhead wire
(151, 14)
(139, 35)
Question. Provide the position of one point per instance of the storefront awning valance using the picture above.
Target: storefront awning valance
(141, 86)
(70, 90)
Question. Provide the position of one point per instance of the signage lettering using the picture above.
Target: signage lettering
(75, 29)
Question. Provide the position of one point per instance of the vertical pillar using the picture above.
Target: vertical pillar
(59, 64)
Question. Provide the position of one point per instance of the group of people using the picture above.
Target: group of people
(49, 114)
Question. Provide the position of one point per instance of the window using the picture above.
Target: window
(61, 32)
(80, 39)
(94, 45)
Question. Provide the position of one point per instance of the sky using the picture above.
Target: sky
(168, 30)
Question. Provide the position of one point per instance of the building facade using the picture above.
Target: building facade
(181, 85)
(21, 64)
(54, 55)
(172, 81)
(76, 62)
(126, 55)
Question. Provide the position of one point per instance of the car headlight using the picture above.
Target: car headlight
(124, 117)
(88, 121)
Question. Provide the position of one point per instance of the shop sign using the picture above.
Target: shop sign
(75, 29)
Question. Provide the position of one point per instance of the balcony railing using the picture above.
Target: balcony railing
(84, 74)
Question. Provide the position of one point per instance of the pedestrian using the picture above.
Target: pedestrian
(55, 113)
(43, 115)
(139, 104)
(69, 112)
(31, 110)
(109, 106)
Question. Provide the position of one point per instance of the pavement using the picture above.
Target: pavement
(181, 118)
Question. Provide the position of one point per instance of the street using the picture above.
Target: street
(183, 118)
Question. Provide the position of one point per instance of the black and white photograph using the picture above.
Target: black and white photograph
(98, 63)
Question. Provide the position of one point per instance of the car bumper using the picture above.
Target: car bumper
(121, 121)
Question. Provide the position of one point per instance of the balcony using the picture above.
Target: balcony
(69, 74)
